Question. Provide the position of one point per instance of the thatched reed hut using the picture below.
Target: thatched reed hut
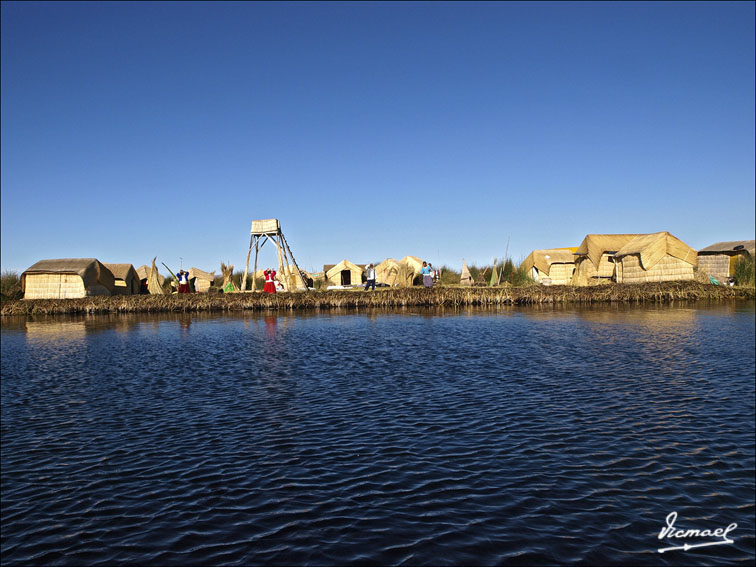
(67, 278)
(719, 259)
(594, 258)
(343, 274)
(414, 265)
(466, 277)
(292, 281)
(393, 273)
(126, 279)
(553, 266)
(656, 257)
(147, 285)
(200, 280)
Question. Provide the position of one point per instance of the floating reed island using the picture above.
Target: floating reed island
(441, 296)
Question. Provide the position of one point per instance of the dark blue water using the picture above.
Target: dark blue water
(522, 436)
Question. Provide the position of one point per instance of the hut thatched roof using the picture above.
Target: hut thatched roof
(594, 245)
(542, 259)
(413, 262)
(387, 264)
(465, 278)
(202, 275)
(653, 247)
(143, 272)
(343, 265)
(61, 266)
(91, 270)
(392, 273)
(122, 271)
(731, 246)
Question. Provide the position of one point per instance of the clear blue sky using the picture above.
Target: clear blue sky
(371, 130)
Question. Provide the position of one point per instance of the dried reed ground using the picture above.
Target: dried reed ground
(409, 297)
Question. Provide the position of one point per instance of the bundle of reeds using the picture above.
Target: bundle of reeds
(228, 273)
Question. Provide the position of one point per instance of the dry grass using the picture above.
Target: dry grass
(10, 285)
(452, 296)
(744, 271)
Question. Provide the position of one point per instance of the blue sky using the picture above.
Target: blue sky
(371, 130)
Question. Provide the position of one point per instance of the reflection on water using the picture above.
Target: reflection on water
(543, 435)
(615, 313)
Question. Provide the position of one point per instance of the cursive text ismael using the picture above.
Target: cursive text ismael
(671, 532)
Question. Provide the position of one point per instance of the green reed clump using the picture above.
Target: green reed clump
(744, 271)
(10, 285)
(520, 277)
(510, 274)
(237, 279)
(449, 276)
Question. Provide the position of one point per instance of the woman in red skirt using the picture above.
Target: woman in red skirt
(270, 281)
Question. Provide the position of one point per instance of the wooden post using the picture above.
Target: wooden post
(246, 266)
(254, 274)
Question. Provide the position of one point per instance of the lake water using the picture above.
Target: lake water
(517, 436)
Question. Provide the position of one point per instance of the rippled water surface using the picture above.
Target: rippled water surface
(521, 436)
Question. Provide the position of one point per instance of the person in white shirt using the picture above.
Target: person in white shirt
(370, 277)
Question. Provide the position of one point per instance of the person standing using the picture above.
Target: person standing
(183, 281)
(426, 273)
(270, 281)
(370, 277)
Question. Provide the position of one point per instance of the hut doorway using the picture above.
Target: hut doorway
(346, 277)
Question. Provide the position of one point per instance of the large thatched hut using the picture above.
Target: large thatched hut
(126, 279)
(200, 280)
(393, 273)
(414, 264)
(594, 258)
(657, 257)
(553, 266)
(67, 278)
(719, 259)
(343, 274)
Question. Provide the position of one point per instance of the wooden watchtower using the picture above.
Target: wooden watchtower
(270, 229)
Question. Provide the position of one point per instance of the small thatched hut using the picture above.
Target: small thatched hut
(719, 259)
(143, 272)
(67, 278)
(200, 280)
(594, 258)
(292, 281)
(466, 277)
(553, 266)
(126, 279)
(657, 257)
(343, 273)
